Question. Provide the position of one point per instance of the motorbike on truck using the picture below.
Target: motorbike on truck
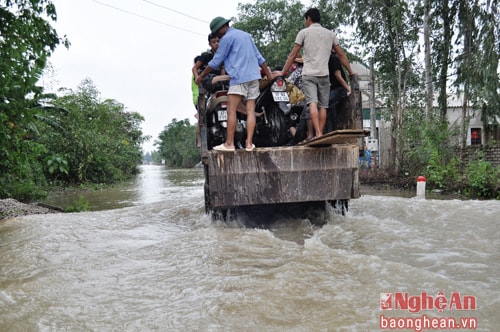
(315, 176)
(271, 124)
(272, 103)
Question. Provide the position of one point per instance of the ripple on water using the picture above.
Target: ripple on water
(167, 266)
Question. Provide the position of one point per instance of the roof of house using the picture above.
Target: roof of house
(362, 71)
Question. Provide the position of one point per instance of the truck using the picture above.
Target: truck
(321, 173)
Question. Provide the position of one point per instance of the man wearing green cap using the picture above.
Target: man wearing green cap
(241, 59)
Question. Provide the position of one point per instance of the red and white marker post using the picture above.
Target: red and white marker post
(421, 186)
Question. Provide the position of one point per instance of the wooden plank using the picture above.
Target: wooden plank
(337, 137)
(282, 175)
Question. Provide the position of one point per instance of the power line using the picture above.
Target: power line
(146, 18)
(175, 11)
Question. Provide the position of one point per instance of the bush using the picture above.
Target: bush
(79, 205)
(441, 174)
(482, 179)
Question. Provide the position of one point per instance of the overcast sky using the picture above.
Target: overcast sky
(138, 52)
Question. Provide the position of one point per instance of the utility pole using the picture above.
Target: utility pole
(373, 118)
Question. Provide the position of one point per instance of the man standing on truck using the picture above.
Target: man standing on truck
(339, 89)
(318, 42)
(241, 59)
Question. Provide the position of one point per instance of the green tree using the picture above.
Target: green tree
(478, 51)
(273, 25)
(177, 144)
(156, 157)
(442, 14)
(99, 139)
(26, 41)
(389, 30)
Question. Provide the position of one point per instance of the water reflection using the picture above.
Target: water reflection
(156, 183)
(153, 184)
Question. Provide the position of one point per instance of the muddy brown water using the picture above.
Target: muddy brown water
(149, 259)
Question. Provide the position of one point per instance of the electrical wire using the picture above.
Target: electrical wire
(146, 18)
(197, 19)
(175, 11)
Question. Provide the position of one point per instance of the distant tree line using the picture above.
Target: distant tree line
(177, 145)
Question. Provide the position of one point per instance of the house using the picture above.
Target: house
(379, 142)
(478, 133)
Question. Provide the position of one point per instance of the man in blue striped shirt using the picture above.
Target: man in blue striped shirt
(241, 59)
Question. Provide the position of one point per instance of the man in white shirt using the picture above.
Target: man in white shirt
(317, 42)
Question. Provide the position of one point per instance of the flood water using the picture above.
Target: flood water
(161, 264)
